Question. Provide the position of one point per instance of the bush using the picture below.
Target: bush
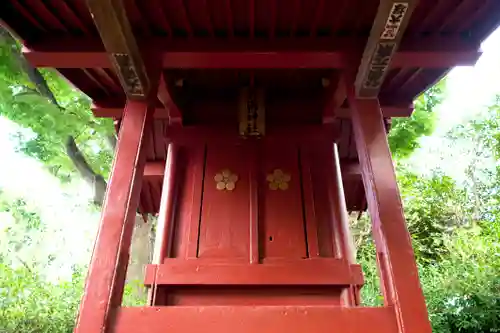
(28, 303)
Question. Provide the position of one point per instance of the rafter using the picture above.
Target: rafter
(272, 30)
(387, 31)
(40, 7)
(68, 12)
(159, 12)
(206, 9)
(296, 14)
(251, 12)
(317, 17)
(182, 9)
(229, 13)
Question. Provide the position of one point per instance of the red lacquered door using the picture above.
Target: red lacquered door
(253, 225)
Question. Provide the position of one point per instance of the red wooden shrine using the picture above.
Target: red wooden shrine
(252, 127)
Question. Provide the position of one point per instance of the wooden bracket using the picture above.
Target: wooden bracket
(116, 33)
(387, 31)
(334, 100)
(174, 113)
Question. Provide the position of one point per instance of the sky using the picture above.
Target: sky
(468, 91)
(72, 226)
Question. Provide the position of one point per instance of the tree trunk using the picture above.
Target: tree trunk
(141, 242)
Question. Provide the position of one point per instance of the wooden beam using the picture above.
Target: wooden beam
(155, 170)
(256, 53)
(396, 260)
(335, 99)
(116, 33)
(75, 45)
(116, 112)
(108, 110)
(387, 31)
(249, 59)
(106, 277)
(251, 319)
(429, 59)
(306, 272)
(389, 111)
(174, 113)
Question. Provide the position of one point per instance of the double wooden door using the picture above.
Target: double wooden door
(254, 223)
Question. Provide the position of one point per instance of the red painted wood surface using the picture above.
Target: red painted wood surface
(401, 284)
(104, 287)
(226, 58)
(229, 246)
(281, 220)
(320, 156)
(225, 219)
(238, 296)
(205, 272)
(189, 173)
(251, 319)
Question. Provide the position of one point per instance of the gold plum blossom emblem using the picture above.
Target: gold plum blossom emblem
(278, 180)
(226, 180)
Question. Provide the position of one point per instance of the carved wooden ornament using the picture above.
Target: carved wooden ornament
(252, 113)
(225, 180)
(387, 31)
(278, 180)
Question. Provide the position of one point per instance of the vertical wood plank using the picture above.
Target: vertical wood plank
(187, 157)
(196, 202)
(281, 223)
(384, 203)
(321, 169)
(254, 205)
(225, 214)
(308, 204)
(105, 280)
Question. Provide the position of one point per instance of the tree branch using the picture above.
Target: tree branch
(33, 73)
(95, 180)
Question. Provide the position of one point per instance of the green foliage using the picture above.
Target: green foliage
(18, 234)
(459, 267)
(462, 292)
(455, 233)
(49, 124)
(433, 208)
(29, 303)
(406, 132)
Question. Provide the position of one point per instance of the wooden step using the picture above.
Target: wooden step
(255, 319)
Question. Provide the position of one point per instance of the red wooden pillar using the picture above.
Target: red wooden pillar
(108, 267)
(165, 220)
(342, 231)
(399, 274)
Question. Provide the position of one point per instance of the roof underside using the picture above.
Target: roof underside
(261, 25)
(198, 36)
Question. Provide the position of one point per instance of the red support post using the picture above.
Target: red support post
(399, 273)
(342, 233)
(164, 226)
(108, 267)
